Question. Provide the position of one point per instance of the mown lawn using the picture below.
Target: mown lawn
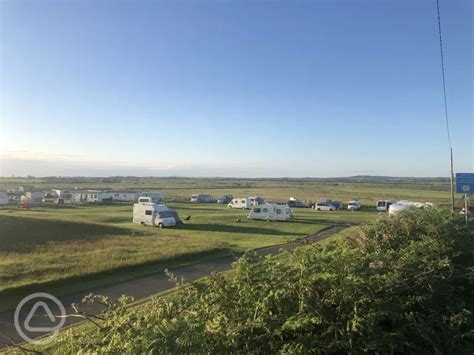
(73, 248)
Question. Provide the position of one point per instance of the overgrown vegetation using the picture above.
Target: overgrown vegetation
(401, 285)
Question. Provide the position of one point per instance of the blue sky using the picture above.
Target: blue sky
(234, 88)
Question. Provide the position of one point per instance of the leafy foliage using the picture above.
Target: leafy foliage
(401, 285)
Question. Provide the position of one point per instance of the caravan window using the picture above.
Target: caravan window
(278, 210)
(148, 212)
(256, 210)
(243, 201)
(265, 210)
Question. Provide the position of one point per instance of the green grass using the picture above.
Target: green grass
(73, 248)
(70, 248)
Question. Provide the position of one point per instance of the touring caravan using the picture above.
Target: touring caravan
(153, 214)
(241, 202)
(201, 198)
(396, 208)
(270, 212)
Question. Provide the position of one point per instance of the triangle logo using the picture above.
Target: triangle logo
(31, 314)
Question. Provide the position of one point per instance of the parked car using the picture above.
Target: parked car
(225, 199)
(324, 206)
(354, 205)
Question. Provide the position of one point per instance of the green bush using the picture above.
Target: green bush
(402, 285)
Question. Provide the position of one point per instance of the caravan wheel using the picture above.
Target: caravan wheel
(160, 225)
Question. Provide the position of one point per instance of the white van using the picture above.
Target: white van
(152, 214)
(241, 202)
(270, 212)
(383, 205)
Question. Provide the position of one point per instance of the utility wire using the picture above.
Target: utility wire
(444, 80)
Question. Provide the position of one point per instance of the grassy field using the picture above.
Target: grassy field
(68, 249)
(368, 190)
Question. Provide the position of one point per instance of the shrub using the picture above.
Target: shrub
(401, 285)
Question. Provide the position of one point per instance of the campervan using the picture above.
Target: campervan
(383, 205)
(241, 202)
(270, 212)
(152, 214)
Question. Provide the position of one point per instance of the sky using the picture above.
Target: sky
(234, 88)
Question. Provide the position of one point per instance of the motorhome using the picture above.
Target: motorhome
(152, 214)
(383, 205)
(270, 212)
(241, 202)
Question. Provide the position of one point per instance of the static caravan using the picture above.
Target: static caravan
(33, 197)
(124, 196)
(153, 214)
(202, 198)
(241, 202)
(3, 198)
(91, 196)
(270, 212)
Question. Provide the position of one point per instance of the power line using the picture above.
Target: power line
(451, 177)
(444, 79)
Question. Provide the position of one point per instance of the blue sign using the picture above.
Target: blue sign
(465, 183)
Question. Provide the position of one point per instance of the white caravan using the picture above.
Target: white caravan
(396, 208)
(241, 202)
(152, 214)
(271, 212)
(354, 205)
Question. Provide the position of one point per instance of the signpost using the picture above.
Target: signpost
(465, 185)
